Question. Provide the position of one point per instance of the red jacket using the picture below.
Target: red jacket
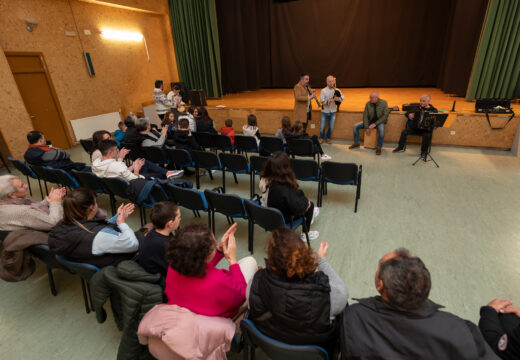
(228, 130)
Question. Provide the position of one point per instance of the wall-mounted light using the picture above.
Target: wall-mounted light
(30, 24)
(125, 36)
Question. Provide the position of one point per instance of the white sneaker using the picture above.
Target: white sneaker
(325, 157)
(174, 174)
(315, 214)
(313, 235)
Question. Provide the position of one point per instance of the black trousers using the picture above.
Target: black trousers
(426, 138)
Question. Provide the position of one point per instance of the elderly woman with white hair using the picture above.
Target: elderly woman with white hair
(17, 212)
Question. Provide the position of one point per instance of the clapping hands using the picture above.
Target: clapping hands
(56, 195)
(123, 212)
(123, 152)
(228, 245)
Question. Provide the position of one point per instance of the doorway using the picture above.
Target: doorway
(38, 94)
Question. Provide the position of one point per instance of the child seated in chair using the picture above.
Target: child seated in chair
(228, 130)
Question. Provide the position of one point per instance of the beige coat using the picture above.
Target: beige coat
(301, 103)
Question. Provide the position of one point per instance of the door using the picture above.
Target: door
(39, 97)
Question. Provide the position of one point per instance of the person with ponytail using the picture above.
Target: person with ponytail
(298, 295)
(84, 236)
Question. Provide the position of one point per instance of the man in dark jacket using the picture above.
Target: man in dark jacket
(183, 137)
(403, 323)
(40, 154)
(500, 325)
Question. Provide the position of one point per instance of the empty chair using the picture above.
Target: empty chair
(190, 199)
(269, 219)
(234, 163)
(275, 349)
(43, 253)
(158, 193)
(230, 205)
(271, 144)
(180, 158)
(246, 144)
(87, 145)
(64, 178)
(116, 187)
(256, 165)
(203, 139)
(341, 174)
(45, 175)
(155, 155)
(205, 160)
(27, 171)
(302, 147)
(90, 181)
(221, 142)
(307, 170)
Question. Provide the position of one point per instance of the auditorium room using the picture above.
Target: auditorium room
(260, 179)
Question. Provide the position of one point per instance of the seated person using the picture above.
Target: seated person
(413, 126)
(403, 323)
(41, 154)
(150, 137)
(192, 115)
(97, 138)
(194, 282)
(169, 122)
(297, 132)
(500, 326)
(183, 137)
(110, 165)
(280, 190)
(204, 122)
(83, 237)
(375, 115)
(298, 295)
(166, 217)
(228, 130)
(174, 96)
(18, 213)
(119, 134)
(285, 129)
(251, 128)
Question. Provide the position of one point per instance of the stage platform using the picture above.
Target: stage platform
(464, 127)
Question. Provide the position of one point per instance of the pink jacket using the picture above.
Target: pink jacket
(172, 333)
(220, 293)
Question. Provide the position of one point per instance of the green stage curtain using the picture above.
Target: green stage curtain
(195, 34)
(496, 68)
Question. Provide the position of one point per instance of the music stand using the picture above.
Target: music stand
(430, 122)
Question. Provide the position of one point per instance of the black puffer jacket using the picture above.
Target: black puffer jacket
(132, 292)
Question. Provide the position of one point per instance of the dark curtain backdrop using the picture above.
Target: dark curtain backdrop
(265, 43)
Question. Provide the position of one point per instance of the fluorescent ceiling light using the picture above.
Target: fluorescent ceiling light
(121, 35)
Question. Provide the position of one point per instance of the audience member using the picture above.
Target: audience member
(169, 122)
(228, 130)
(97, 138)
(183, 137)
(151, 137)
(83, 237)
(175, 98)
(297, 297)
(41, 154)
(119, 134)
(280, 190)
(403, 323)
(285, 130)
(166, 217)
(297, 132)
(163, 105)
(500, 326)
(18, 213)
(194, 282)
(204, 123)
(251, 128)
(193, 115)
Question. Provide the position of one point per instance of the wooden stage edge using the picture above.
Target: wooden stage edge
(463, 128)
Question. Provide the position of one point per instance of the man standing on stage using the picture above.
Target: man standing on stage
(375, 116)
(329, 108)
(302, 99)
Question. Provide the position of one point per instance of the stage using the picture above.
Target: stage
(464, 127)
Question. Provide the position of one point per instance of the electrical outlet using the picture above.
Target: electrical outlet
(313, 126)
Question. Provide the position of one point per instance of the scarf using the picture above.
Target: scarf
(43, 147)
(23, 201)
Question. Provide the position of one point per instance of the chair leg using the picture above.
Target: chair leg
(40, 185)
(29, 184)
(211, 220)
(113, 204)
(46, 189)
(245, 351)
(306, 232)
(235, 176)
(197, 177)
(210, 174)
(223, 181)
(89, 296)
(250, 239)
(85, 298)
(194, 213)
(51, 281)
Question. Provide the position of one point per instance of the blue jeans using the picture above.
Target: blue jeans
(331, 118)
(380, 138)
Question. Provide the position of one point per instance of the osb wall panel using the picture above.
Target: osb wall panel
(124, 77)
(470, 130)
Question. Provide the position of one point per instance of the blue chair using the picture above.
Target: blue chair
(307, 170)
(203, 139)
(222, 143)
(27, 171)
(190, 199)
(43, 253)
(90, 181)
(64, 178)
(275, 349)
(256, 164)
(341, 174)
(180, 158)
(205, 160)
(271, 144)
(235, 164)
(246, 144)
(230, 205)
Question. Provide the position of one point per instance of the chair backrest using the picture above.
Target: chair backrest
(44, 174)
(158, 193)
(64, 178)
(301, 147)
(234, 162)
(22, 167)
(265, 217)
(86, 271)
(246, 143)
(180, 157)
(257, 163)
(340, 173)
(188, 198)
(221, 142)
(155, 154)
(135, 151)
(87, 144)
(90, 181)
(227, 204)
(275, 349)
(306, 169)
(203, 139)
(271, 144)
(206, 159)
(116, 186)
(43, 253)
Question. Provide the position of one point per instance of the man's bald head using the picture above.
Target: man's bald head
(374, 97)
(425, 100)
(330, 81)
